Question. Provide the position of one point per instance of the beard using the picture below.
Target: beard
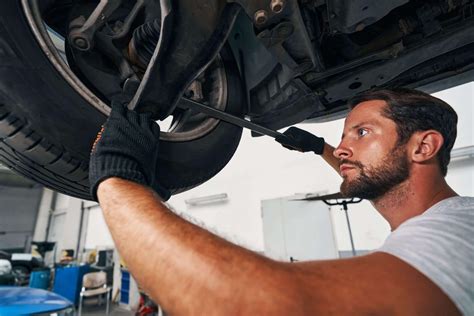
(374, 182)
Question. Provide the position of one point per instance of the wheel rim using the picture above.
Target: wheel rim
(186, 126)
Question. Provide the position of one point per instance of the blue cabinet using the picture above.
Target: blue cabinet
(68, 282)
(125, 287)
(40, 279)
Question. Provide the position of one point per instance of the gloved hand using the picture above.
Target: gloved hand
(300, 140)
(126, 147)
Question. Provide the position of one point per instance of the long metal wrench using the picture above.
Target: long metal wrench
(186, 103)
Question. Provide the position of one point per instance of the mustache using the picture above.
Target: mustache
(354, 163)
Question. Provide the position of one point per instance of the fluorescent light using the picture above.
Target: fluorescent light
(222, 197)
(463, 152)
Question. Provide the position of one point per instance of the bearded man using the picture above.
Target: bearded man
(394, 151)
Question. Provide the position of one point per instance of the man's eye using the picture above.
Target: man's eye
(361, 132)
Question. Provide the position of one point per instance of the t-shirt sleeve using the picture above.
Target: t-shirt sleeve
(440, 245)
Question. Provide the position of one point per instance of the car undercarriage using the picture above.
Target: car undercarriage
(299, 60)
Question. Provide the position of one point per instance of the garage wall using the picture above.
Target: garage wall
(60, 221)
(18, 212)
(97, 234)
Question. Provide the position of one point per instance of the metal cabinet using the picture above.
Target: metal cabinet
(298, 230)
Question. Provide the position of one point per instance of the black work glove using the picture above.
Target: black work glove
(300, 140)
(126, 147)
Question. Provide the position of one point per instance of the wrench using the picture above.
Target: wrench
(283, 139)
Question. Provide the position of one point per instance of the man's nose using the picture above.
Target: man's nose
(342, 151)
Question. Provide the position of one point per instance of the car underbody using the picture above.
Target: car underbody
(299, 60)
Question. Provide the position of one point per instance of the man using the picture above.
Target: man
(394, 151)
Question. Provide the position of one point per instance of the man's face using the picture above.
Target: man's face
(371, 163)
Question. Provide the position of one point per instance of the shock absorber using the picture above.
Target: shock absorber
(143, 42)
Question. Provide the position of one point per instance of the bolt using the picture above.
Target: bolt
(360, 27)
(261, 17)
(277, 5)
(81, 43)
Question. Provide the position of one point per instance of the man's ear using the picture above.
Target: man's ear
(425, 145)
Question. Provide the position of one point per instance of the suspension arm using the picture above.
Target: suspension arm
(192, 34)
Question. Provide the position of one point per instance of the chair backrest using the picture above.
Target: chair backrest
(94, 279)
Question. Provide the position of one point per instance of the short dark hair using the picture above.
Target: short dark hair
(413, 111)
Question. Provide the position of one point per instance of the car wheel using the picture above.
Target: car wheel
(49, 118)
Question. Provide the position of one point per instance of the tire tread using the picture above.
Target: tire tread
(25, 151)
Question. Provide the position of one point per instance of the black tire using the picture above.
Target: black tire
(47, 128)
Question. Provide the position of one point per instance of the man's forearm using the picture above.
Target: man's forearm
(183, 267)
(329, 157)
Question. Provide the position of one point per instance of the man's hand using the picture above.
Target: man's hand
(300, 140)
(126, 147)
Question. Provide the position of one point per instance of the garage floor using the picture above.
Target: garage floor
(92, 309)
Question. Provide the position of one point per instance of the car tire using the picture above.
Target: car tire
(47, 127)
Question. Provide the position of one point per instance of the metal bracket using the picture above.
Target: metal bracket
(286, 15)
(82, 31)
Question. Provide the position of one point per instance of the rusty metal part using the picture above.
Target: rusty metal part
(252, 7)
(186, 47)
(289, 41)
(196, 90)
(82, 31)
(291, 45)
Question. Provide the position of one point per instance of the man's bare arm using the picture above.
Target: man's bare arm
(188, 270)
(329, 157)
(183, 267)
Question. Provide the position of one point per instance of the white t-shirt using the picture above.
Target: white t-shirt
(440, 244)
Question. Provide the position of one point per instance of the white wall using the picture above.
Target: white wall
(44, 208)
(461, 171)
(97, 234)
